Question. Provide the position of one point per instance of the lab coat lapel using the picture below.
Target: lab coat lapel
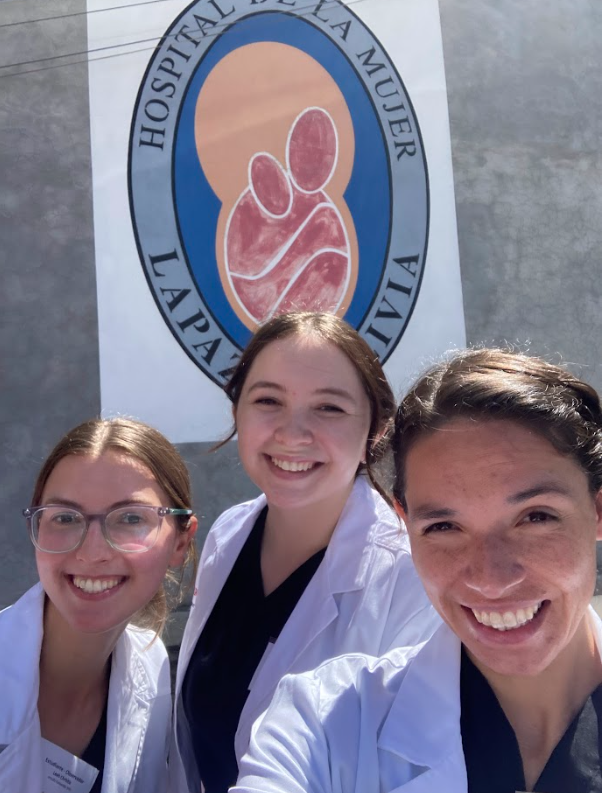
(21, 761)
(127, 718)
(343, 569)
(224, 548)
(423, 725)
(449, 776)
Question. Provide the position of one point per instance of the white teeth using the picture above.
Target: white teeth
(92, 586)
(291, 466)
(507, 620)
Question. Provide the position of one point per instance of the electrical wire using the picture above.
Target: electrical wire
(216, 30)
(81, 13)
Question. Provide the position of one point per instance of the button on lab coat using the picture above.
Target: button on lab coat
(138, 712)
(359, 724)
(364, 597)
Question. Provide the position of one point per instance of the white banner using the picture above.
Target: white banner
(255, 156)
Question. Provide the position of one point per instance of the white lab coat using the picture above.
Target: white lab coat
(359, 724)
(138, 714)
(364, 597)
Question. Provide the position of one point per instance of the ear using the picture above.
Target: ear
(182, 543)
(598, 504)
(400, 510)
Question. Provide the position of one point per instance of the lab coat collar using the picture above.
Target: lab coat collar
(237, 531)
(423, 725)
(347, 569)
(130, 692)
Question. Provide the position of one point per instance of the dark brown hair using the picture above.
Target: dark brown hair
(329, 328)
(501, 384)
(145, 444)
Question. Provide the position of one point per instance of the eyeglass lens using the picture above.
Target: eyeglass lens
(132, 529)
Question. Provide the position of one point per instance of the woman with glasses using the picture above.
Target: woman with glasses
(84, 677)
(315, 566)
(498, 477)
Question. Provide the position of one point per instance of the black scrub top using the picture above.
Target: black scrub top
(242, 624)
(493, 761)
(94, 753)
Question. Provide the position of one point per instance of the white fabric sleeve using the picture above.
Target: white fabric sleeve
(288, 752)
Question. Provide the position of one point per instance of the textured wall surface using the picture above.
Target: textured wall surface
(48, 348)
(525, 98)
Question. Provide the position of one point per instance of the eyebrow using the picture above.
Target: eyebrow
(432, 512)
(66, 502)
(542, 489)
(428, 512)
(265, 384)
(330, 391)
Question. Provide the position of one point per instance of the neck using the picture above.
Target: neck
(540, 708)
(306, 528)
(292, 536)
(73, 664)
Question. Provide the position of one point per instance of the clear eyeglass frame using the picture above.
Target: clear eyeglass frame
(30, 514)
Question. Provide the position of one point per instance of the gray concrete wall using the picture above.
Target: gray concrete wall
(525, 97)
(48, 350)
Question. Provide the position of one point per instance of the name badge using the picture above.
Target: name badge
(62, 771)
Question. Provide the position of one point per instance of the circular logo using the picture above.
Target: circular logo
(276, 164)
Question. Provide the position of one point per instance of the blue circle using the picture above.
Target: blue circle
(368, 194)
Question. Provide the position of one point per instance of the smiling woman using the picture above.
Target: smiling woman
(84, 690)
(498, 461)
(317, 565)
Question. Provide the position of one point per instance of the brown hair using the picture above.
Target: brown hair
(501, 384)
(134, 439)
(329, 328)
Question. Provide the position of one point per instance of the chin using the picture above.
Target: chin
(510, 664)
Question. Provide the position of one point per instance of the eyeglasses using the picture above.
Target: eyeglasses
(133, 529)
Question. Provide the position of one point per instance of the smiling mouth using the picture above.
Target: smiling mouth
(507, 620)
(93, 586)
(289, 465)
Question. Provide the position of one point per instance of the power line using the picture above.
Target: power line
(216, 30)
(81, 13)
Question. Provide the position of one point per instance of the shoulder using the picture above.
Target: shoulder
(385, 529)
(22, 622)
(233, 518)
(32, 600)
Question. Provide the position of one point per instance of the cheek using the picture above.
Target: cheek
(152, 566)
(45, 566)
(436, 569)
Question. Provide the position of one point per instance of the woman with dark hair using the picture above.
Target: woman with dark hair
(317, 565)
(85, 679)
(498, 475)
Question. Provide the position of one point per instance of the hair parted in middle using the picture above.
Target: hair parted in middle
(497, 383)
(148, 446)
(333, 330)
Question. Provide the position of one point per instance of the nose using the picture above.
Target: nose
(94, 548)
(494, 568)
(293, 429)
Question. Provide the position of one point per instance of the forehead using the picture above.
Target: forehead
(303, 359)
(112, 475)
(479, 457)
